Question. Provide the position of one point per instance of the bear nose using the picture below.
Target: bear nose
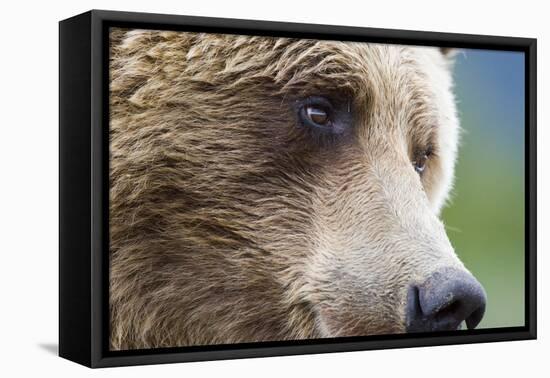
(446, 299)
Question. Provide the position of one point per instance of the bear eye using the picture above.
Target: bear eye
(420, 163)
(421, 159)
(317, 115)
(317, 112)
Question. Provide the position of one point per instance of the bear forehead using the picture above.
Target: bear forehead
(289, 62)
(402, 85)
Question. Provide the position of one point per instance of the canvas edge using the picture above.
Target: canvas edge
(98, 199)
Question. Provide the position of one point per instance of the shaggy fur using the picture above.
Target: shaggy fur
(232, 222)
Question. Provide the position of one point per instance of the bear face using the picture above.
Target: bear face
(269, 189)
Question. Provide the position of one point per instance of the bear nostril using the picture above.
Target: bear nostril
(475, 318)
(448, 297)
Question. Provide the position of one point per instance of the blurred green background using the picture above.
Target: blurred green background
(485, 217)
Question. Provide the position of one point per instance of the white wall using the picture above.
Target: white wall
(28, 189)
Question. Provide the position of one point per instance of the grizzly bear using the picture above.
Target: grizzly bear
(271, 189)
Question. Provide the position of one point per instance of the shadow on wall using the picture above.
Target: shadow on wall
(52, 348)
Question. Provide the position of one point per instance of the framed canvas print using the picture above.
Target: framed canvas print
(234, 188)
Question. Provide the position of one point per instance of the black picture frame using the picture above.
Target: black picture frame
(84, 191)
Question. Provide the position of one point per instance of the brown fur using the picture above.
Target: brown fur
(231, 222)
